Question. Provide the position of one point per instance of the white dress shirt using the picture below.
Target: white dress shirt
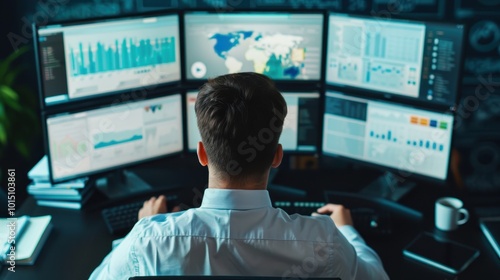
(238, 232)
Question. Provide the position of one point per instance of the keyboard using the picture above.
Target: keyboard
(366, 220)
(121, 219)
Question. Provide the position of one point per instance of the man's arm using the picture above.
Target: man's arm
(121, 262)
(369, 265)
(153, 206)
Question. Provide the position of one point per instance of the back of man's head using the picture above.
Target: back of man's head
(240, 118)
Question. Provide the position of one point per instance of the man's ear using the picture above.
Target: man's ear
(278, 156)
(202, 154)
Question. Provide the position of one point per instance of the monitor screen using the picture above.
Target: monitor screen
(300, 130)
(398, 137)
(84, 59)
(102, 139)
(283, 46)
(415, 60)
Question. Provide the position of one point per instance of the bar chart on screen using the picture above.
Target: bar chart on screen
(376, 56)
(113, 57)
(126, 53)
(99, 138)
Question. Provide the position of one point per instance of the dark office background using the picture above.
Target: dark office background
(477, 138)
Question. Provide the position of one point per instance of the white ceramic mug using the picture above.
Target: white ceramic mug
(448, 210)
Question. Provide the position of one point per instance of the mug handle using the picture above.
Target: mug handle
(465, 218)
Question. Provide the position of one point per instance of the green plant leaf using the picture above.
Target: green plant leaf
(28, 97)
(3, 134)
(5, 63)
(9, 93)
(2, 111)
(11, 76)
(19, 120)
(10, 97)
(22, 148)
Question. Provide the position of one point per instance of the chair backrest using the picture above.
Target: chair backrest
(187, 277)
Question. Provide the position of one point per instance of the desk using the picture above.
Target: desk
(389, 248)
(79, 241)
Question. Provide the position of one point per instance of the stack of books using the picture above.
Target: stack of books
(70, 194)
(32, 232)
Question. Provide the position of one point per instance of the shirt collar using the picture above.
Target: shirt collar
(235, 199)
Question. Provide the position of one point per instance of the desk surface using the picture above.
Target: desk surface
(79, 241)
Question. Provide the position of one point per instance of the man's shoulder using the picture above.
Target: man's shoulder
(320, 220)
(160, 224)
(238, 223)
(302, 226)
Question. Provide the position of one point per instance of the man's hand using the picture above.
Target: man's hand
(340, 215)
(153, 206)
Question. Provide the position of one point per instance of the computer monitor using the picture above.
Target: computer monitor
(400, 59)
(95, 141)
(79, 60)
(300, 130)
(401, 139)
(281, 45)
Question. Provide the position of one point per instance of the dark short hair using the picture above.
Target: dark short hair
(240, 118)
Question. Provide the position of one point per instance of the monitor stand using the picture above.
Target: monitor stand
(121, 184)
(388, 186)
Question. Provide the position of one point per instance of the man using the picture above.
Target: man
(236, 231)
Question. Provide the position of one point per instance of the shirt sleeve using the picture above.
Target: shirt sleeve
(369, 265)
(120, 263)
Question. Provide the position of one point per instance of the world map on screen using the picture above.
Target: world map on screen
(274, 55)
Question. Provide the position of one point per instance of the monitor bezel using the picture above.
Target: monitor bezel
(321, 12)
(392, 96)
(101, 172)
(327, 158)
(88, 100)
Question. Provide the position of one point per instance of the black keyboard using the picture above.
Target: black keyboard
(366, 220)
(121, 218)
